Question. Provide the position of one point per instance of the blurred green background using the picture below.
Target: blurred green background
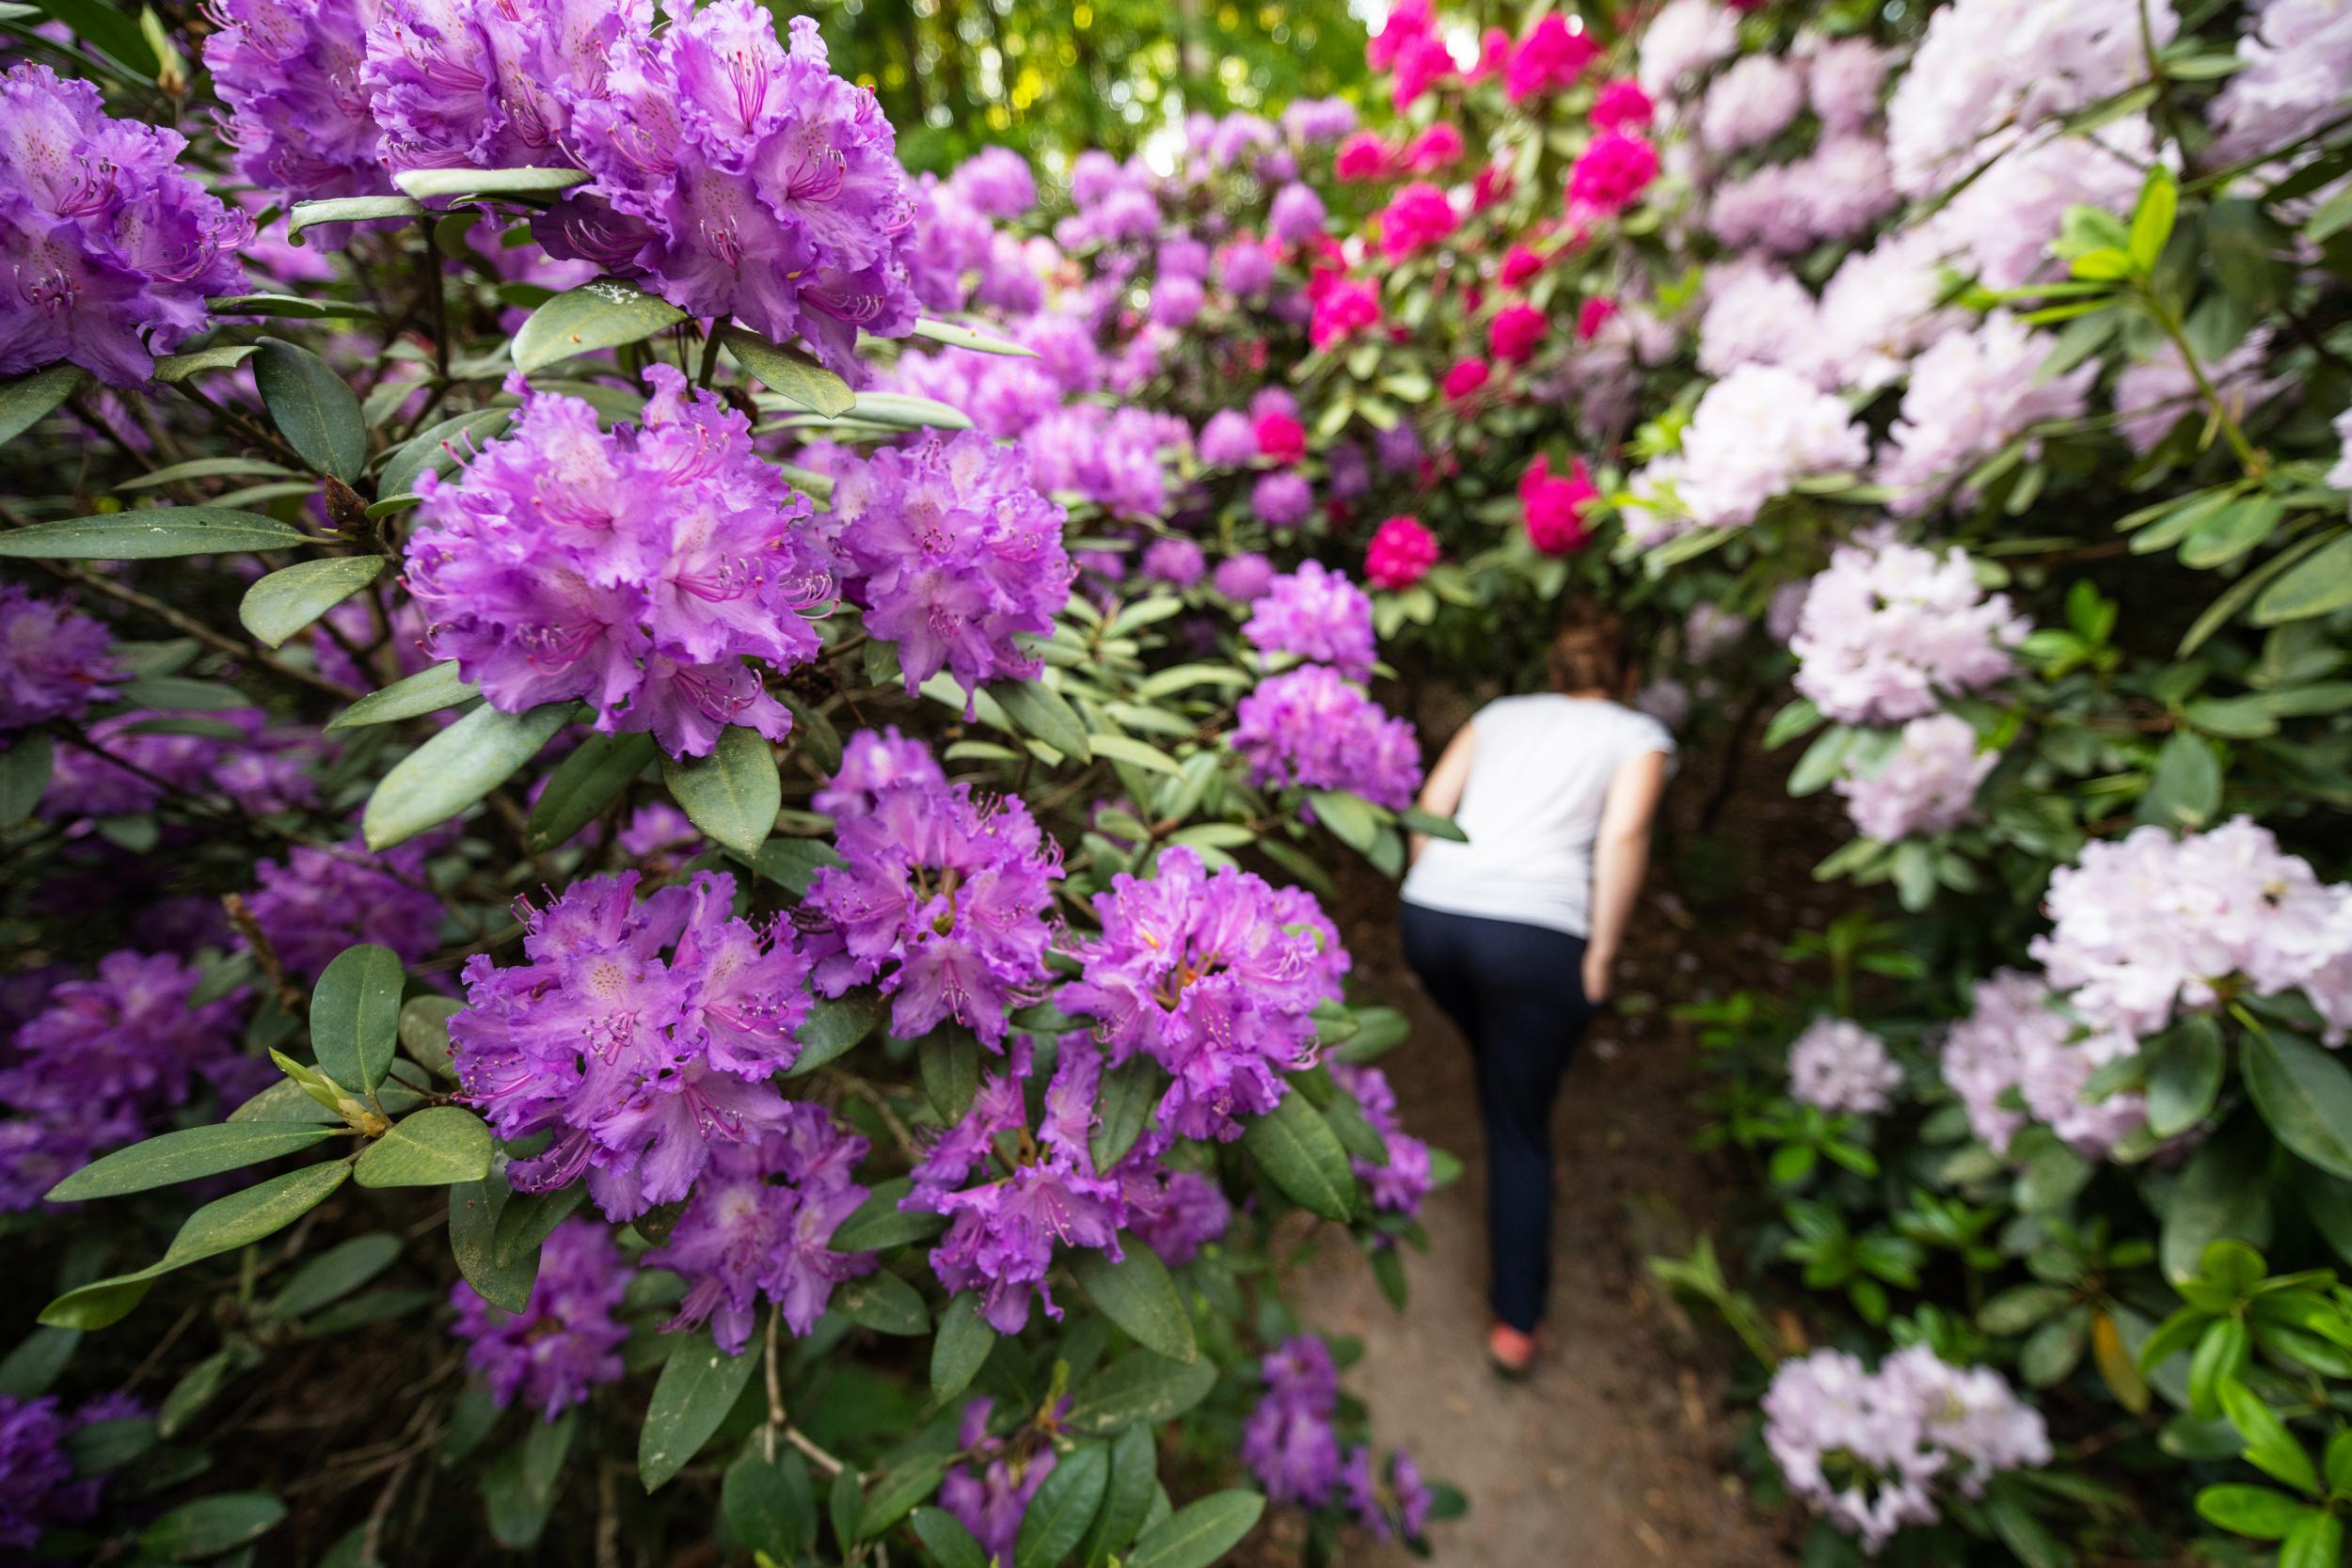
(1053, 77)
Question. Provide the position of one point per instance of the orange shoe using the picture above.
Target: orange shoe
(1510, 1350)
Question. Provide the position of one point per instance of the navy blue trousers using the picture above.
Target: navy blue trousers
(1516, 993)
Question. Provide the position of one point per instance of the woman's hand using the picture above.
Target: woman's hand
(1596, 982)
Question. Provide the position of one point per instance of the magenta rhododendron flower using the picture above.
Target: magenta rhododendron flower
(1281, 436)
(642, 1033)
(1344, 310)
(1361, 159)
(1401, 553)
(1554, 506)
(1464, 378)
(1520, 263)
(1550, 58)
(110, 248)
(1417, 216)
(1615, 167)
(1434, 149)
(1622, 105)
(1592, 315)
(1515, 333)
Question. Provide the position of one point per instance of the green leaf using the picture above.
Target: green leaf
(2222, 536)
(1128, 1096)
(2020, 1308)
(1445, 828)
(441, 448)
(963, 1343)
(2023, 1534)
(835, 1027)
(904, 411)
(314, 409)
(878, 1222)
(221, 1225)
(109, 29)
(427, 184)
(1040, 712)
(28, 399)
(959, 336)
(424, 1032)
(2269, 1446)
(897, 1491)
(2224, 1191)
(583, 784)
(949, 1062)
(175, 368)
(2185, 1075)
(947, 1540)
(2320, 586)
(885, 1303)
(699, 1385)
(2305, 1094)
(25, 770)
(282, 307)
(210, 1526)
(1137, 1293)
(503, 1277)
(287, 600)
(789, 373)
(1126, 1495)
(2315, 1542)
(2152, 219)
(32, 1368)
(335, 1273)
(355, 1016)
(2184, 790)
(2254, 1510)
(1064, 1506)
(426, 691)
(153, 533)
(455, 768)
(602, 313)
(1141, 1386)
(185, 1155)
(1348, 816)
(349, 209)
(438, 1147)
(2220, 1359)
(1300, 1153)
(1198, 1534)
(769, 1505)
(207, 468)
(732, 795)
(1119, 748)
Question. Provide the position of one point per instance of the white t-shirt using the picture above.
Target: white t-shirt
(1532, 809)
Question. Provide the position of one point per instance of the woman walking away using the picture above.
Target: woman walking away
(1514, 933)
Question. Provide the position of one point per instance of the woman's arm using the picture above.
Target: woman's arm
(1620, 855)
(1441, 792)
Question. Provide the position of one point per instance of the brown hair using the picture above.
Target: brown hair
(1588, 652)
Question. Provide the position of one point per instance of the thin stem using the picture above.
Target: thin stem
(189, 625)
(437, 295)
(244, 427)
(710, 355)
(2248, 457)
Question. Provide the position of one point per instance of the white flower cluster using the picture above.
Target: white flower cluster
(2004, 66)
(1914, 1425)
(1835, 192)
(2002, 222)
(1843, 78)
(1971, 392)
(1752, 103)
(1837, 1064)
(2341, 475)
(2298, 56)
(1755, 432)
(2148, 924)
(1878, 310)
(1925, 785)
(2015, 1038)
(1685, 38)
(2152, 394)
(1890, 629)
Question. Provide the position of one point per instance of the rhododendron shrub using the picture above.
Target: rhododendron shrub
(649, 805)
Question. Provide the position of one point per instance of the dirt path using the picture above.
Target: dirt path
(1613, 1454)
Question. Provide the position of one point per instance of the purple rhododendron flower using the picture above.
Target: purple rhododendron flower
(1208, 976)
(1398, 1184)
(1003, 1230)
(990, 1495)
(635, 570)
(871, 762)
(995, 181)
(1244, 579)
(1288, 1442)
(1228, 440)
(104, 1059)
(110, 247)
(759, 1222)
(944, 895)
(316, 902)
(566, 1341)
(54, 660)
(748, 181)
(1175, 561)
(642, 1033)
(1316, 613)
(489, 82)
(1309, 727)
(40, 1486)
(260, 769)
(1110, 456)
(1282, 500)
(955, 553)
(298, 112)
